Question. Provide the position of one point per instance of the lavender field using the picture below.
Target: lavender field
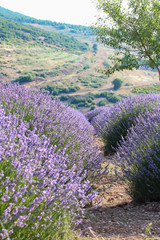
(50, 159)
(48, 162)
(130, 131)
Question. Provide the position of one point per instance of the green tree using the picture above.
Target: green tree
(133, 30)
(117, 83)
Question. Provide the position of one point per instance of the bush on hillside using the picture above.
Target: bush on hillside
(117, 83)
(114, 124)
(64, 97)
(111, 97)
(138, 158)
(102, 103)
(24, 79)
(106, 64)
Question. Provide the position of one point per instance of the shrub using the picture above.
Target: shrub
(86, 67)
(106, 64)
(138, 157)
(95, 47)
(64, 97)
(148, 89)
(57, 121)
(117, 83)
(24, 79)
(37, 187)
(96, 85)
(92, 107)
(113, 98)
(102, 103)
(91, 114)
(114, 124)
(47, 156)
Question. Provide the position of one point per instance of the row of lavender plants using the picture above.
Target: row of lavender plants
(48, 161)
(112, 124)
(137, 159)
(131, 131)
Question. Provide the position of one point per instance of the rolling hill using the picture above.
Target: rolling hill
(63, 59)
(12, 29)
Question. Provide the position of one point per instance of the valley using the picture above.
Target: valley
(69, 68)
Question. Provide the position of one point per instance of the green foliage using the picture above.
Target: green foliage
(111, 97)
(24, 79)
(96, 85)
(106, 64)
(56, 90)
(117, 83)
(64, 97)
(59, 26)
(95, 47)
(133, 31)
(86, 67)
(148, 231)
(94, 82)
(92, 107)
(102, 103)
(14, 31)
(149, 89)
(83, 101)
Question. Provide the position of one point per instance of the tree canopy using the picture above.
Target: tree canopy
(132, 28)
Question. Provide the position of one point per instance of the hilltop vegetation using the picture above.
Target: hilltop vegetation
(18, 17)
(14, 32)
(36, 53)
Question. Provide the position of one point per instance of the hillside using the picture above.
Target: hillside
(14, 32)
(37, 54)
(18, 17)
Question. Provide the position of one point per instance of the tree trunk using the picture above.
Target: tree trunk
(158, 73)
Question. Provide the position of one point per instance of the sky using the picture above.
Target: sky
(81, 12)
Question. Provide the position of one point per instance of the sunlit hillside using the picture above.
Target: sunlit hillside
(63, 59)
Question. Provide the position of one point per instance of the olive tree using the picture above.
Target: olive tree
(132, 28)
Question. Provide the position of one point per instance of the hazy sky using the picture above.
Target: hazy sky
(80, 12)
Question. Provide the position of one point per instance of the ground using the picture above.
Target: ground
(114, 216)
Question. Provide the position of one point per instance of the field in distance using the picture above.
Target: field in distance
(71, 76)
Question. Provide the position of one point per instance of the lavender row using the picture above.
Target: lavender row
(37, 187)
(138, 158)
(114, 123)
(94, 113)
(47, 156)
(67, 128)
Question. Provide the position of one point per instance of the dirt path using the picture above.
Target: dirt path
(113, 215)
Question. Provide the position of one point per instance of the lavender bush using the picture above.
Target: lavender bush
(113, 124)
(138, 158)
(47, 156)
(65, 127)
(91, 114)
(38, 190)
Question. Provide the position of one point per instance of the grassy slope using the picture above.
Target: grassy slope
(12, 31)
(54, 66)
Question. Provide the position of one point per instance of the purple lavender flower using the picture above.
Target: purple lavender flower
(91, 114)
(47, 155)
(138, 157)
(114, 123)
(65, 127)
